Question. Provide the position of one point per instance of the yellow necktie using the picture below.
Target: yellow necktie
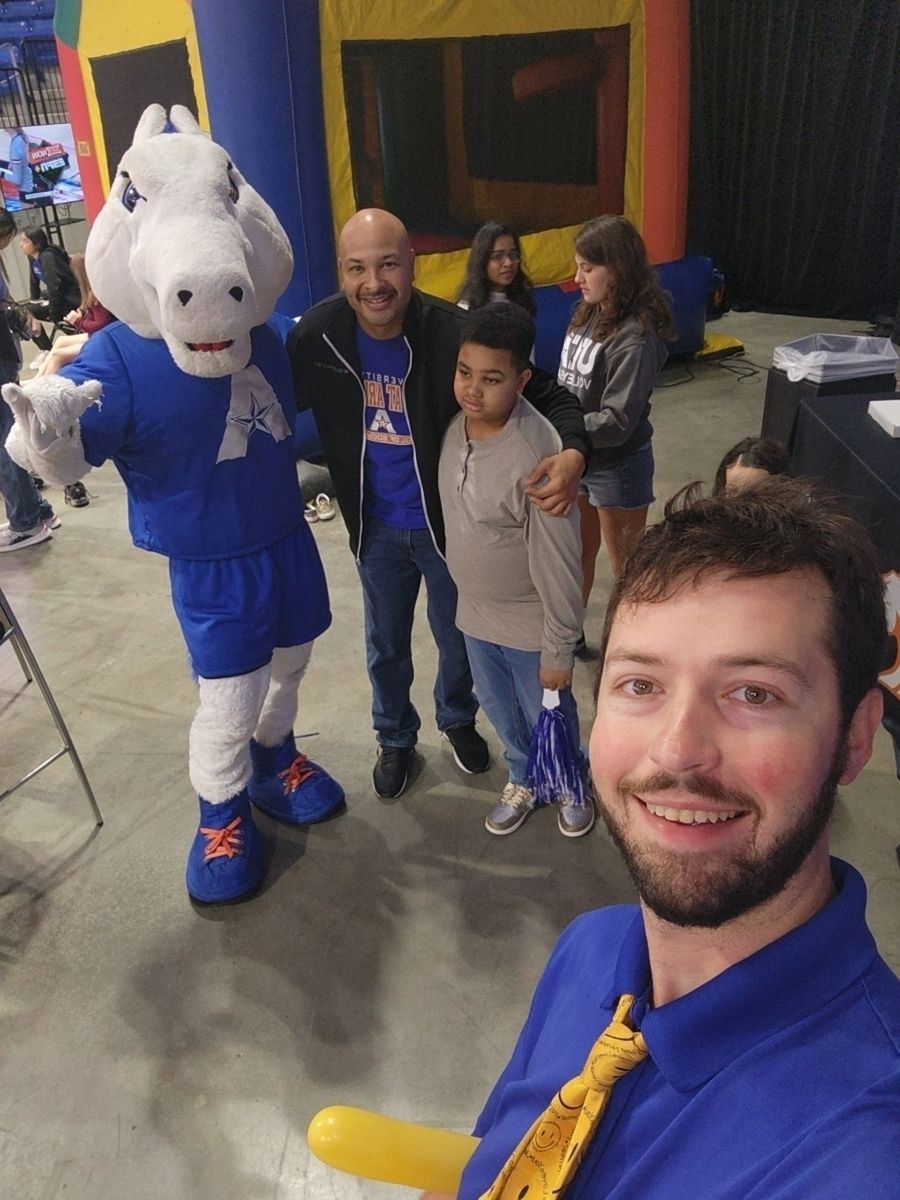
(550, 1153)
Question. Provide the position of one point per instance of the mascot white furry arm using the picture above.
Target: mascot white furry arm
(190, 395)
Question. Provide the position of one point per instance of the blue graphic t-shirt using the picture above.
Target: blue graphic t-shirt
(391, 491)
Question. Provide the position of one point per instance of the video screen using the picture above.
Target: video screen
(38, 166)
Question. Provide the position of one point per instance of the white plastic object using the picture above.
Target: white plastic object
(887, 414)
(551, 698)
(826, 357)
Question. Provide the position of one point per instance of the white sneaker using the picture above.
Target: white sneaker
(39, 359)
(324, 507)
(310, 512)
(10, 540)
(52, 522)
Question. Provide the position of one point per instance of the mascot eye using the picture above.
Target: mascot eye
(232, 187)
(130, 197)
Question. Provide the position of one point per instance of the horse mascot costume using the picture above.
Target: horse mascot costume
(190, 395)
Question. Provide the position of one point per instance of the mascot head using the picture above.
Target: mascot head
(184, 249)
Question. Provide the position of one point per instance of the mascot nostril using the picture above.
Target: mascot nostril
(197, 405)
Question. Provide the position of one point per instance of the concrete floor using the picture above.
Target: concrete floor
(151, 1049)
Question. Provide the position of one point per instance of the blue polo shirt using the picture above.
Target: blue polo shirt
(777, 1080)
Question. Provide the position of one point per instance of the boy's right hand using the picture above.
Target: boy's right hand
(555, 681)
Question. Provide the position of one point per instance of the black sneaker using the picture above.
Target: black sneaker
(391, 772)
(470, 750)
(76, 495)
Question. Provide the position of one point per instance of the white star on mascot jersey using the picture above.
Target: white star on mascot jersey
(189, 394)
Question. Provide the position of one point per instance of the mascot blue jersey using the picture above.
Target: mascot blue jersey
(208, 463)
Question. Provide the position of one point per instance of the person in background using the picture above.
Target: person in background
(51, 272)
(736, 1036)
(29, 517)
(517, 571)
(750, 461)
(613, 351)
(54, 288)
(19, 166)
(494, 271)
(86, 319)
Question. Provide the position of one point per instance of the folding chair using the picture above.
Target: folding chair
(11, 631)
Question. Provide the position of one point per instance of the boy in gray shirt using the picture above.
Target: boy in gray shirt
(517, 570)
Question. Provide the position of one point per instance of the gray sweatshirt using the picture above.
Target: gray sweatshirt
(613, 380)
(517, 570)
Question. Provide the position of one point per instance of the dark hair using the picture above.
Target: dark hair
(780, 525)
(7, 223)
(753, 452)
(37, 237)
(500, 327)
(476, 287)
(613, 242)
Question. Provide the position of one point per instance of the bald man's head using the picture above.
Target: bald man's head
(376, 264)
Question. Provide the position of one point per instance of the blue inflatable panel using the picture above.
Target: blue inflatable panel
(270, 118)
(687, 281)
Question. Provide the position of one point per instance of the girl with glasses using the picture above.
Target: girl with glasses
(494, 271)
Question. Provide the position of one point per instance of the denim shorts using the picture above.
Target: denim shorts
(628, 484)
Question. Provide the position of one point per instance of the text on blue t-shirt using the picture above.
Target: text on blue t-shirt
(391, 491)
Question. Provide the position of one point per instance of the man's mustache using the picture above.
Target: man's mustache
(694, 785)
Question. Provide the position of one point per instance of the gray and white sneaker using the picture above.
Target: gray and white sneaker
(52, 522)
(10, 539)
(515, 805)
(575, 820)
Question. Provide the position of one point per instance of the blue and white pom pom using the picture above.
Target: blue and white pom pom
(554, 771)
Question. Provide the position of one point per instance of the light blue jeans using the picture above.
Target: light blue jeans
(509, 690)
(25, 506)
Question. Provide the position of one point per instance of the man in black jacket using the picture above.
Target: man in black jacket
(376, 365)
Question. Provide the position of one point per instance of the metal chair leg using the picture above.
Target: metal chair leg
(6, 635)
(32, 670)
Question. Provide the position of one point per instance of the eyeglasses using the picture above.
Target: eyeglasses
(501, 255)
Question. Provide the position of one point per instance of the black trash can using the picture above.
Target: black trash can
(823, 365)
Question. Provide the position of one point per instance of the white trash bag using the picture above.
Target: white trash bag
(825, 357)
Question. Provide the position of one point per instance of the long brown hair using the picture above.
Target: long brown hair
(614, 243)
(476, 289)
(88, 299)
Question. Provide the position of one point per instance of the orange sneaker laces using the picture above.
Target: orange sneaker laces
(298, 772)
(222, 843)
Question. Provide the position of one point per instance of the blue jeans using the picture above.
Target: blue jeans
(393, 562)
(509, 690)
(25, 508)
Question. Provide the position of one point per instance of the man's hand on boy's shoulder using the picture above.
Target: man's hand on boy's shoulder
(555, 680)
(553, 484)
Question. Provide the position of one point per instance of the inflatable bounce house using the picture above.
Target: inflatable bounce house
(538, 115)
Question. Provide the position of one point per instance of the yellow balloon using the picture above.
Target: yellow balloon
(377, 1147)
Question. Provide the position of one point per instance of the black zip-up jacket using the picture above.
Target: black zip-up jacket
(328, 379)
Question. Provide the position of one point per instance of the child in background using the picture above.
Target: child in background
(86, 319)
(613, 351)
(517, 570)
(494, 271)
(745, 464)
